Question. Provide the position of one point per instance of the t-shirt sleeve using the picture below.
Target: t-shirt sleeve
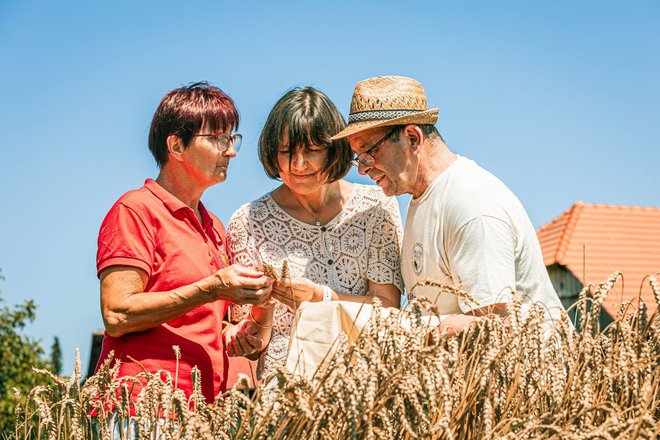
(125, 240)
(385, 245)
(240, 250)
(482, 256)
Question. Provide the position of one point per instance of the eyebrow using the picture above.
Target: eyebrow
(361, 147)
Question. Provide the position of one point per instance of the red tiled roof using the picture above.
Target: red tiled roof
(611, 238)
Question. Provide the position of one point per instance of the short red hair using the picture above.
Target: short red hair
(187, 110)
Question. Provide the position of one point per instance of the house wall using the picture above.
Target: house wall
(566, 285)
(568, 288)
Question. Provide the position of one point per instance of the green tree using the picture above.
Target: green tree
(18, 355)
(56, 356)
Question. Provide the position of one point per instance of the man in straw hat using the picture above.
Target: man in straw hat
(464, 226)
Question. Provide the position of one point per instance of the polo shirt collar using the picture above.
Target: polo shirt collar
(174, 204)
(168, 199)
(207, 220)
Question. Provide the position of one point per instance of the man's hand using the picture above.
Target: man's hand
(242, 339)
(293, 291)
(454, 324)
(238, 284)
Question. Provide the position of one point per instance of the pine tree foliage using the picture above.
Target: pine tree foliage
(56, 356)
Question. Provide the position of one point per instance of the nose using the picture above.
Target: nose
(230, 151)
(298, 159)
(363, 169)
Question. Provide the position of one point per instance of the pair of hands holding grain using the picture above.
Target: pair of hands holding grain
(251, 335)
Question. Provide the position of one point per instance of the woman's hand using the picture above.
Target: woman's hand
(238, 284)
(242, 339)
(293, 291)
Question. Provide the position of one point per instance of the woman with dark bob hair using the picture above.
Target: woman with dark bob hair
(165, 276)
(340, 240)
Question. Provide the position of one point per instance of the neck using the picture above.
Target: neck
(181, 186)
(313, 202)
(434, 159)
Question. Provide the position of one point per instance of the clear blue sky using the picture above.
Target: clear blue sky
(560, 99)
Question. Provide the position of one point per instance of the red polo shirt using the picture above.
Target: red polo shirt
(151, 229)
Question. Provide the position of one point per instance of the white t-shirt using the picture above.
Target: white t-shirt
(470, 231)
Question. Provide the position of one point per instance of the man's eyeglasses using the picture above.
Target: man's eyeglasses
(223, 140)
(366, 159)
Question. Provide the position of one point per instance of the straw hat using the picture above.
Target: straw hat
(387, 100)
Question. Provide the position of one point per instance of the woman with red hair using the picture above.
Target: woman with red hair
(165, 277)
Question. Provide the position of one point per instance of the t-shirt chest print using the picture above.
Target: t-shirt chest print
(417, 258)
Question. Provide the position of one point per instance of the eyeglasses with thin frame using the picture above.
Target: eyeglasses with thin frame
(223, 140)
(366, 159)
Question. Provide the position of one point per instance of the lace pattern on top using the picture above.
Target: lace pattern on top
(361, 244)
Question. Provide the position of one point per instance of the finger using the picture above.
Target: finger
(285, 283)
(280, 296)
(264, 294)
(238, 351)
(230, 332)
(242, 297)
(243, 346)
(250, 328)
(254, 283)
(248, 272)
(250, 296)
(282, 290)
(254, 341)
(230, 349)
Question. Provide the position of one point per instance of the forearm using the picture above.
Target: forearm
(368, 299)
(295, 291)
(388, 295)
(126, 307)
(454, 324)
(263, 317)
(135, 312)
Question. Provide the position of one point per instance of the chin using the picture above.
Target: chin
(388, 187)
(219, 178)
(310, 187)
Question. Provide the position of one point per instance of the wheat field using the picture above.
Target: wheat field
(495, 380)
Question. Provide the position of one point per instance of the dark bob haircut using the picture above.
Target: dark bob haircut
(305, 117)
(187, 110)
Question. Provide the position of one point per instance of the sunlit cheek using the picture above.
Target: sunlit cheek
(283, 163)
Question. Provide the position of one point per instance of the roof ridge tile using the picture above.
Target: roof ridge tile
(622, 207)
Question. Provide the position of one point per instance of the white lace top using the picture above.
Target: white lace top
(360, 244)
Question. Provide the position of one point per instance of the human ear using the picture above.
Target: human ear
(175, 146)
(413, 134)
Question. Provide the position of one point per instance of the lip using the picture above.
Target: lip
(302, 176)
